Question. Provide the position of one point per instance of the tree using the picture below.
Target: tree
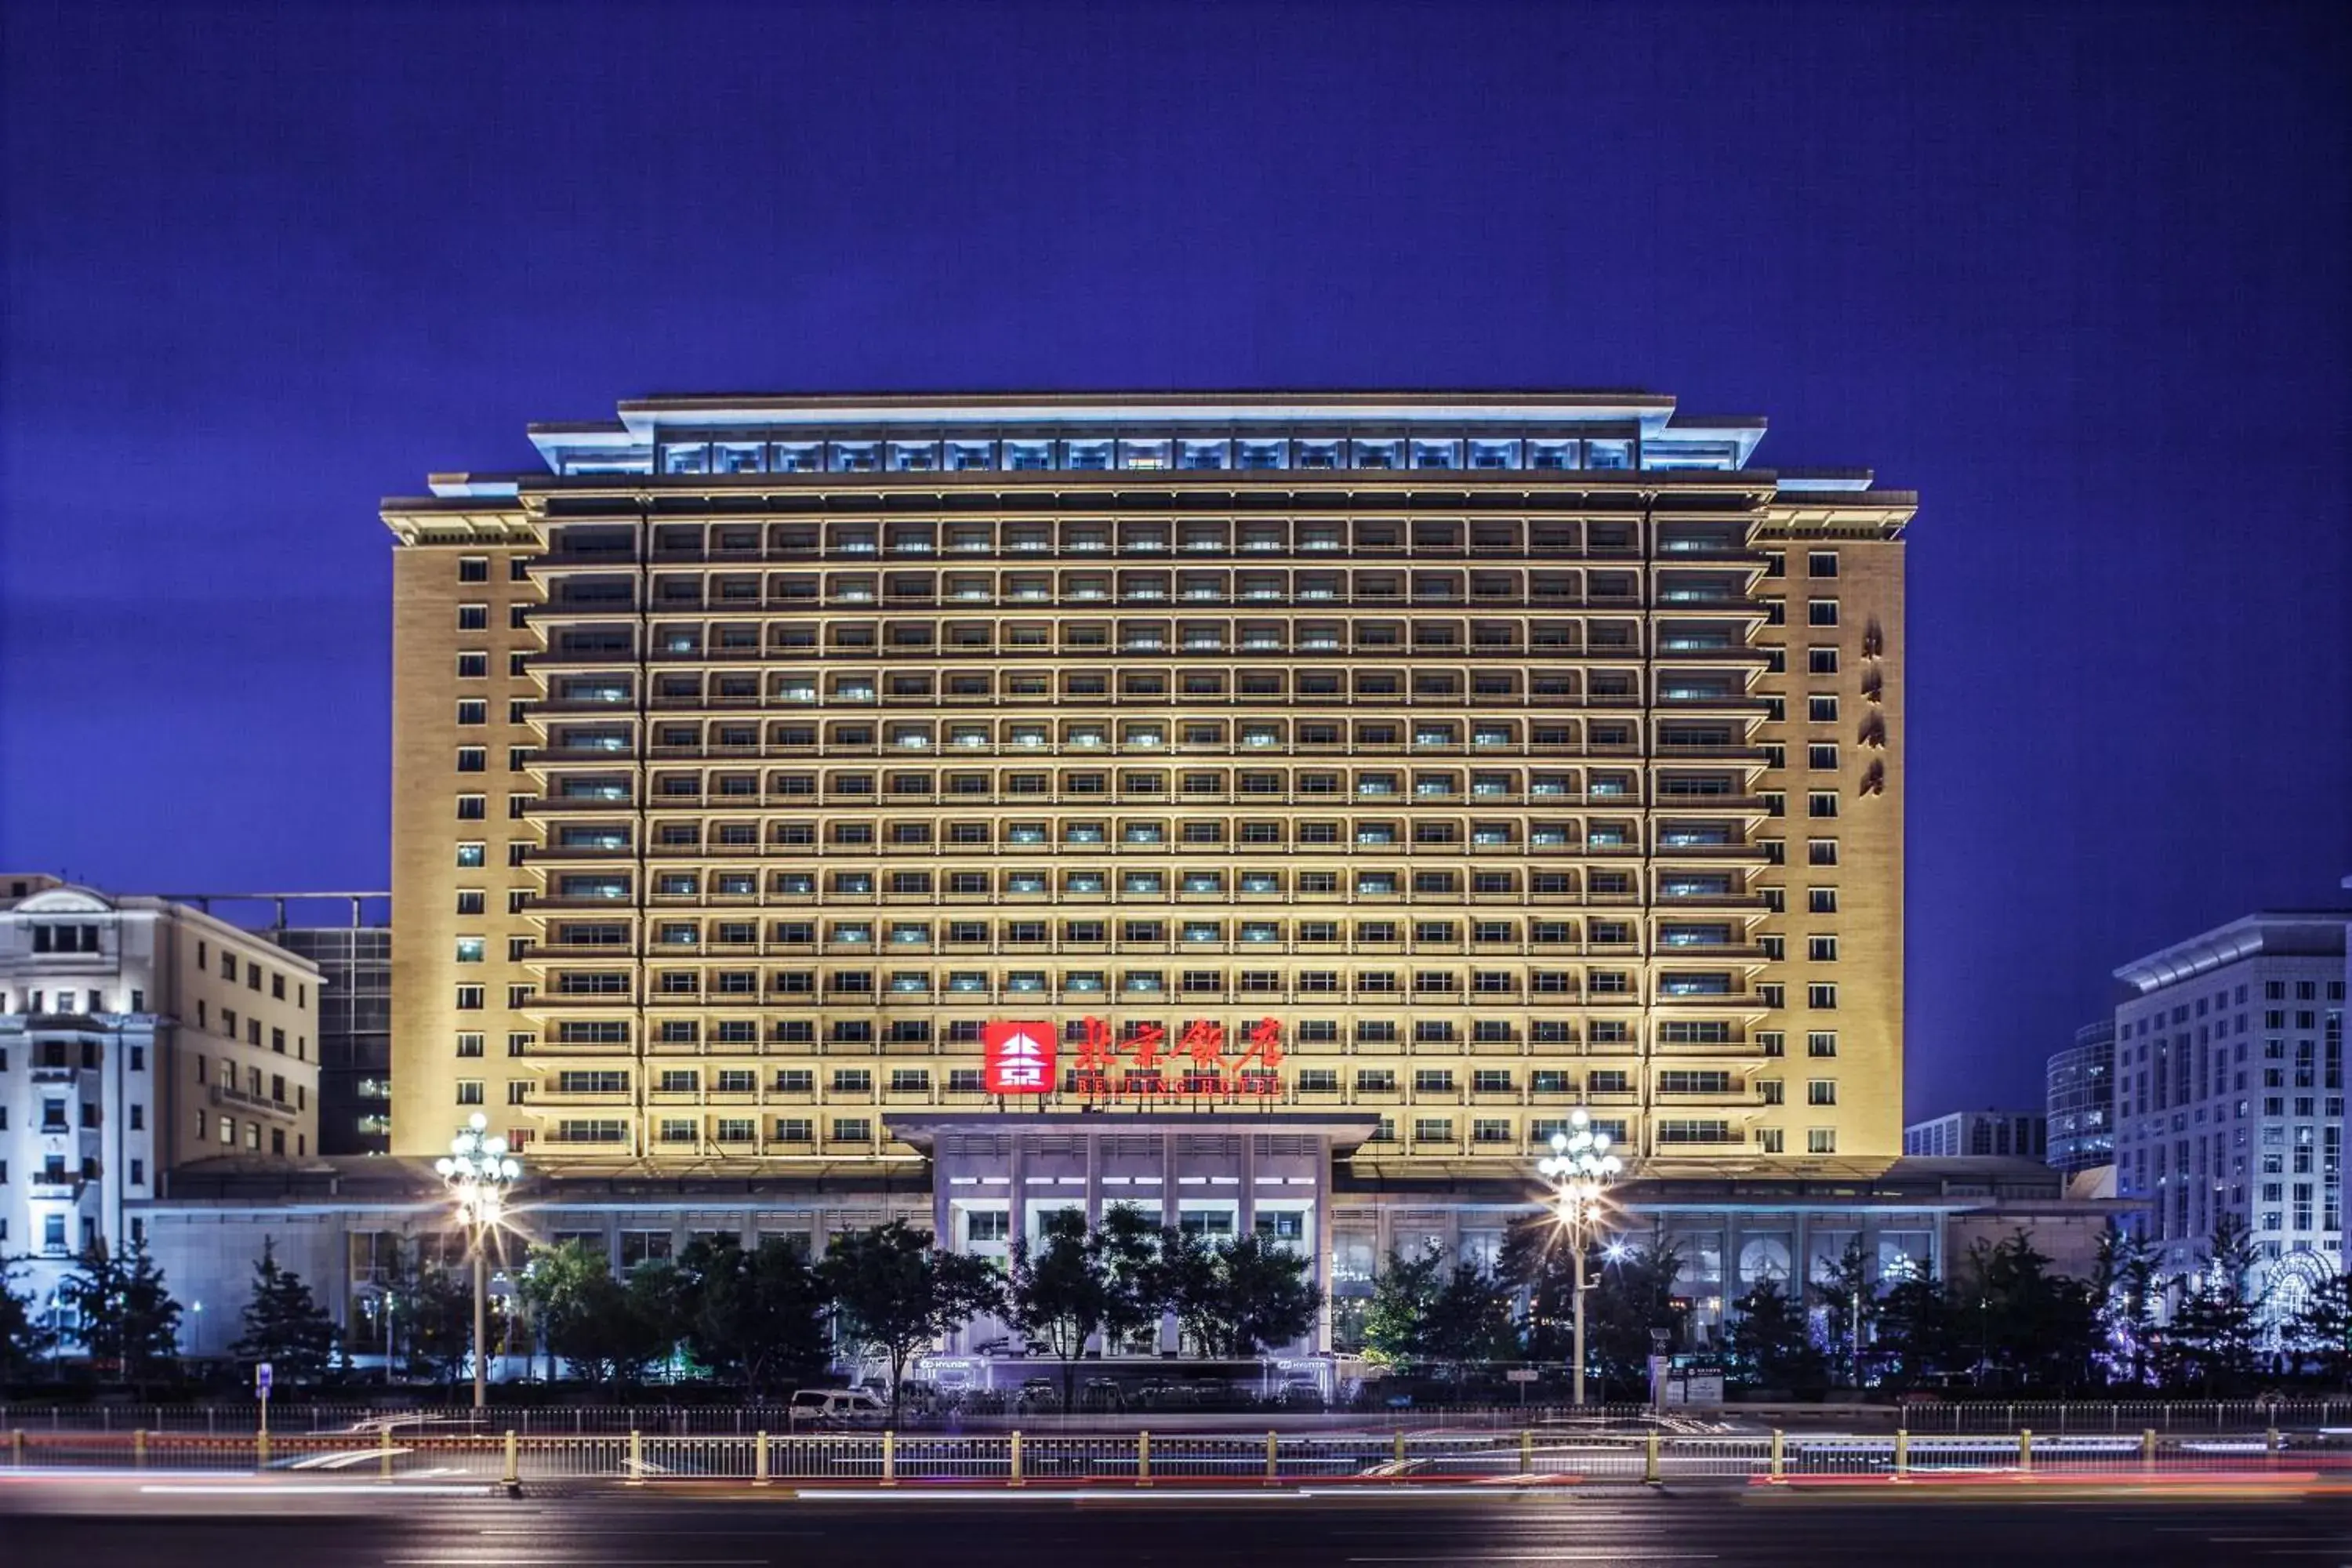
(2035, 1324)
(2212, 1339)
(616, 1329)
(1396, 1319)
(1769, 1342)
(130, 1323)
(2124, 1294)
(1632, 1299)
(1918, 1333)
(1136, 1286)
(756, 1318)
(1849, 1307)
(893, 1292)
(1470, 1324)
(438, 1303)
(553, 1288)
(1187, 1274)
(2321, 1329)
(1059, 1292)
(23, 1340)
(283, 1325)
(1266, 1294)
(1540, 1262)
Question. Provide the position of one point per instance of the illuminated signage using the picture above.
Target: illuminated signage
(1138, 1062)
(1018, 1057)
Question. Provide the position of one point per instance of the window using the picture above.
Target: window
(473, 711)
(1820, 710)
(1821, 998)
(470, 998)
(1821, 852)
(1822, 757)
(473, 618)
(472, 808)
(469, 1092)
(1821, 613)
(1822, 661)
(1822, 1043)
(1820, 1141)
(1821, 803)
(1821, 901)
(473, 568)
(1821, 1091)
(1821, 563)
(1822, 949)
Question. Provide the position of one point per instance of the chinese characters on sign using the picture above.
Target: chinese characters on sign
(1138, 1062)
(1017, 1058)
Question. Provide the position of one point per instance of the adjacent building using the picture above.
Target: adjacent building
(2228, 1087)
(2019, 1134)
(137, 1037)
(775, 775)
(2081, 1100)
(353, 954)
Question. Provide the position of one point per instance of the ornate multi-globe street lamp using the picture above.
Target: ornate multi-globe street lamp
(1579, 1169)
(479, 1173)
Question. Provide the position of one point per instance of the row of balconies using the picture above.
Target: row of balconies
(561, 561)
(728, 903)
(1516, 1048)
(1129, 996)
(914, 952)
(1404, 857)
(725, 657)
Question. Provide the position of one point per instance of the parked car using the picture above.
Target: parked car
(1101, 1394)
(836, 1407)
(1041, 1394)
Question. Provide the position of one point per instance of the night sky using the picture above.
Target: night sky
(2075, 273)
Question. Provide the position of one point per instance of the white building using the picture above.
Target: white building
(136, 1036)
(2229, 1075)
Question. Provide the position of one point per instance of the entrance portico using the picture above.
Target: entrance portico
(996, 1177)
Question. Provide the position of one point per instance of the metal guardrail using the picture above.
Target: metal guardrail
(1017, 1459)
(1981, 1418)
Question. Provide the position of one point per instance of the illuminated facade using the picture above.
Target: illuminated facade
(1450, 761)
(2228, 1093)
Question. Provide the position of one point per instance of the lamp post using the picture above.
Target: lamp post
(1580, 1168)
(479, 1173)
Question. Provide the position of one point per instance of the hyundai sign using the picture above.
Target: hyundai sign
(1017, 1058)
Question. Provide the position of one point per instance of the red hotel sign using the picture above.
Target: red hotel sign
(1018, 1058)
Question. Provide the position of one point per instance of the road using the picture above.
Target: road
(192, 1522)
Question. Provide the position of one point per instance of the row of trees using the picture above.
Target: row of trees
(764, 1318)
(2005, 1317)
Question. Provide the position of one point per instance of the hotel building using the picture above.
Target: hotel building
(770, 771)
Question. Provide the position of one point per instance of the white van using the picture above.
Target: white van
(836, 1407)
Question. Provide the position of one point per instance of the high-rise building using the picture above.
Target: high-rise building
(137, 1036)
(768, 768)
(2012, 1134)
(2080, 1099)
(2229, 1060)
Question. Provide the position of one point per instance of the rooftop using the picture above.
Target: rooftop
(2303, 933)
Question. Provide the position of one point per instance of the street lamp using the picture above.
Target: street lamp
(479, 1173)
(1580, 1168)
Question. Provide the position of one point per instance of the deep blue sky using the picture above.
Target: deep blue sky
(2077, 273)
